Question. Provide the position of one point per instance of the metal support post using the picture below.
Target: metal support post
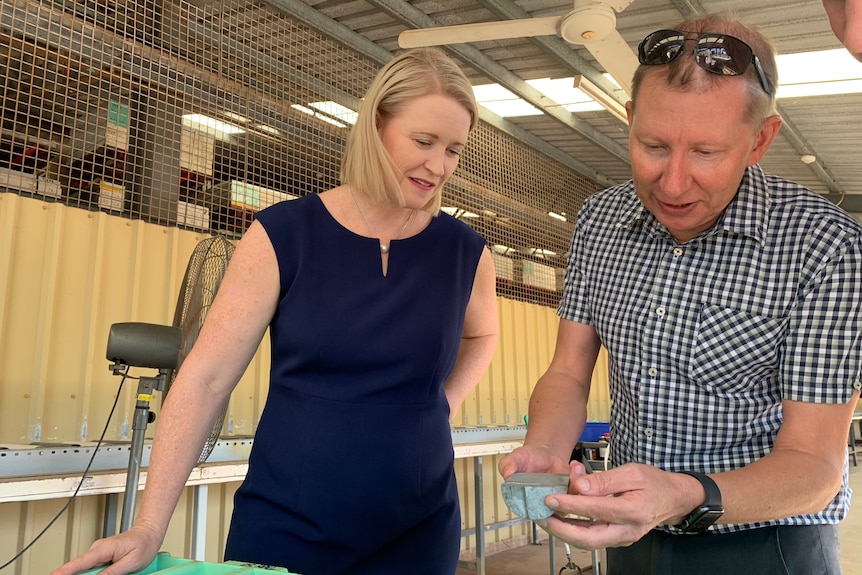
(143, 416)
(480, 516)
(199, 525)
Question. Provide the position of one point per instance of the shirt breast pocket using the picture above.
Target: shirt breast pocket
(734, 350)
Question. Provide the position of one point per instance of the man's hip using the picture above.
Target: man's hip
(774, 550)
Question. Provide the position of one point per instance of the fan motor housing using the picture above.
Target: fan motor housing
(588, 23)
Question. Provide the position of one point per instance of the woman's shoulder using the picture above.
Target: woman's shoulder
(299, 207)
(455, 230)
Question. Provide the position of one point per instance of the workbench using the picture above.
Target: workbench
(29, 473)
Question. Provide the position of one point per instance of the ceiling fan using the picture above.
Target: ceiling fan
(591, 23)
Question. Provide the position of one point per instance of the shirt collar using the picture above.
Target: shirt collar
(746, 215)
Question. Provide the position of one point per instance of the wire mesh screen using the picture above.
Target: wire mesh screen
(198, 116)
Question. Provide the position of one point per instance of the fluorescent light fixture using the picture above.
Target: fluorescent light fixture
(557, 216)
(822, 66)
(458, 212)
(503, 102)
(561, 92)
(268, 129)
(512, 108)
(819, 89)
(318, 115)
(502, 250)
(602, 98)
(210, 125)
(236, 117)
(336, 110)
(542, 253)
(492, 92)
(251, 196)
(820, 73)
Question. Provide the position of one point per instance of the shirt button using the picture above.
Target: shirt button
(648, 432)
(677, 252)
(857, 385)
(652, 372)
(660, 311)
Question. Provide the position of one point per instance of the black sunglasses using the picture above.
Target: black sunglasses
(716, 53)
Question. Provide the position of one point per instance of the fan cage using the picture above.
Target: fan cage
(204, 273)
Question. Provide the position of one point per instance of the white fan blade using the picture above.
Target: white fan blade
(479, 32)
(616, 57)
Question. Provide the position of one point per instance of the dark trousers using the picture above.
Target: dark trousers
(780, 550)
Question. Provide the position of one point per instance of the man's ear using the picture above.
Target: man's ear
(764, 138)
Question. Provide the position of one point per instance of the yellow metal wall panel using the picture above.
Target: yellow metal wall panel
(47, 553)
(83, 525)
(599, 403)
(247, 400)
(537, 356)
(11, 539)
(505, 363)
(67, 275)
(22, 342)
(75, 327)
(219, 509)
(467, 498)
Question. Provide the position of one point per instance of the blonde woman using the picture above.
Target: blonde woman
(382, 317)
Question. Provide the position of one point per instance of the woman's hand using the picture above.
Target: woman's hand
(124, 553)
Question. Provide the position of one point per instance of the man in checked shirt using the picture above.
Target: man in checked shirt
(729, 301)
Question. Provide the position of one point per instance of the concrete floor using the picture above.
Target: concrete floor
(535, 559)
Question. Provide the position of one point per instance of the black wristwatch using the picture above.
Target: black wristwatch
(707, 513)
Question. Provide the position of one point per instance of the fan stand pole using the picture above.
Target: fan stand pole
(143, 416)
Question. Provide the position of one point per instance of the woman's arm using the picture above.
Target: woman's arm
(229, 338)
(479, 337)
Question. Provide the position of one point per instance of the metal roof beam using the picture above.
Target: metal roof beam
(312, 18)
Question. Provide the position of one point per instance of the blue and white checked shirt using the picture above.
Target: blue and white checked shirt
(706, 338)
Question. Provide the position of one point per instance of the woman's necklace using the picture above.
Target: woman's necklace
(384, 248)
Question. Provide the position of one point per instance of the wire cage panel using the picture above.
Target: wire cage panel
(197, 115)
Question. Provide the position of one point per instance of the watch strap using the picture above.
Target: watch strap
(709, 511)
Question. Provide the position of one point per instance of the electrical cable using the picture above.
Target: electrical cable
(80, 483)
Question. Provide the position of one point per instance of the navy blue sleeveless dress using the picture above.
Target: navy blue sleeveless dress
(352, 468)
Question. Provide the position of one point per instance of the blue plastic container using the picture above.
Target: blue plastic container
(593, 430)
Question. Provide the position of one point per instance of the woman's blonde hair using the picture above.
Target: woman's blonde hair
(366, 165)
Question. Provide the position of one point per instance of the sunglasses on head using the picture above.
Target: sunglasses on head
(716, 53)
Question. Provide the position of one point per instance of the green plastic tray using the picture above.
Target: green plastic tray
(164, 564)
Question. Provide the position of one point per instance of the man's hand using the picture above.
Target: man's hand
(621, 505)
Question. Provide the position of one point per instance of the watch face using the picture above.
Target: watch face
(701, 518)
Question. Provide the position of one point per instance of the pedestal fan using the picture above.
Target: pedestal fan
(164, 348)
